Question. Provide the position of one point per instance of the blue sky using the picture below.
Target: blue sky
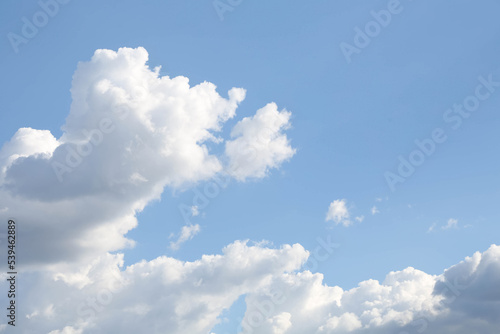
(350, 120)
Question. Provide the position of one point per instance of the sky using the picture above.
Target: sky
(236, 166)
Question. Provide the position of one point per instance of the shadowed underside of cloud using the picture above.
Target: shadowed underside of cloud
(129, 134)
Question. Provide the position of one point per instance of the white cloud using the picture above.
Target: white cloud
(164, 295)
(195, 211)
(374, 210)
(347, 322)
(452, 223)
(431, 228)
(168, 295)
(338, 212)
(187, 233)
(129, 134)
(67, 330)
(464, 299)
(259, 143)
(360, 218)
(280, 323)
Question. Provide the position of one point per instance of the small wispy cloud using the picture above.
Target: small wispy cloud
(452, 223)
(187, 233)
(374, 210)
(195, 211)
(431, 228)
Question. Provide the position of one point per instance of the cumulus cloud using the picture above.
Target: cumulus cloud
(338, 212)
(259, 143)
(129, 134)
(168, 295)
(187, 233)
(374, 210)
(280, 323)
(464, 299)
(164, 295)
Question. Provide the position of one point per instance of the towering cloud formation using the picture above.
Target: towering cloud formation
(129, 134)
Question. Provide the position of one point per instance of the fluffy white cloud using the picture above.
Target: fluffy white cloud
(280, 323)
(187, 233)
(129, 134)
(259, 143)
(164, 295)
(338, 212)
(168, 295)
(464, 299)
(374, 210)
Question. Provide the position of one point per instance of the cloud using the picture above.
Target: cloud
(259, 143)
(374, 210)
(431, 228)
(163, 295)
(280, 323)
(168, 295)
(129, 134)
(360, 218)
(452, 223)
(195, 211)
(67, 330)
(187, 233)
(464, 299)
(338, 212)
